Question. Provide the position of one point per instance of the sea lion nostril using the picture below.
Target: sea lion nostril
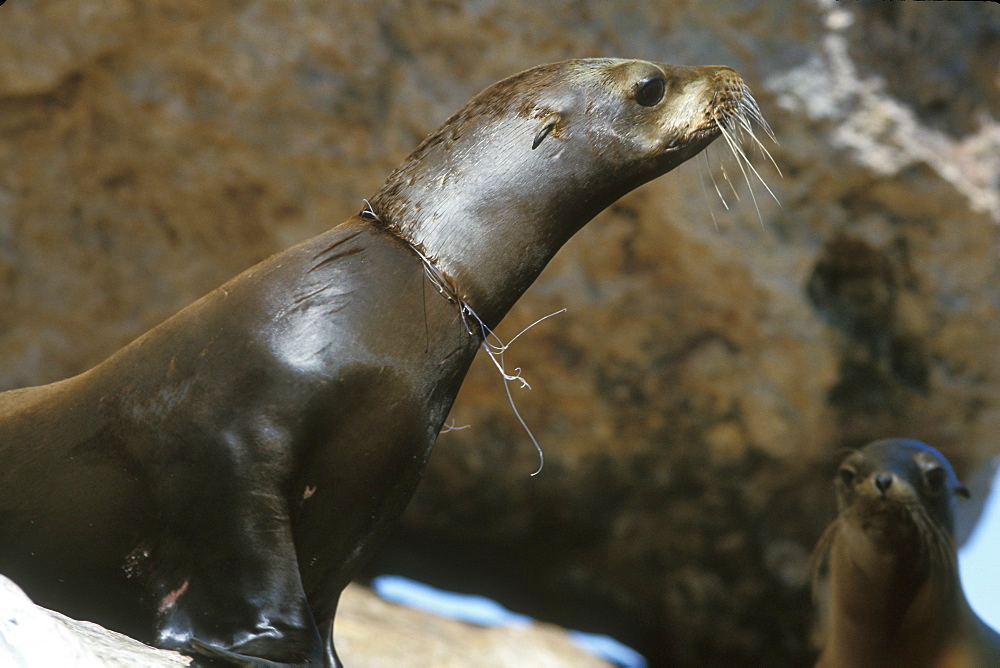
(883, 481)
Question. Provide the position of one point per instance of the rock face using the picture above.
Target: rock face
(373, 633)
(33, 637)
(712, 363)
(370, 632)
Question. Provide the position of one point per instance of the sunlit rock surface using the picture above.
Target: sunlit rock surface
(33, 637)
(370, 632)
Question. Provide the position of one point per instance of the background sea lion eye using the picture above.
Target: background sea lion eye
(650, 91)
(935, 478)
(846, 476)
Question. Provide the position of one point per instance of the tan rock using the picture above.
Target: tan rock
(372, 632)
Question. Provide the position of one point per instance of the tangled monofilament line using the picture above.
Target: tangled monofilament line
(494, 346)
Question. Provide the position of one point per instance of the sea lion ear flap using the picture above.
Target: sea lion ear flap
(550, 122)
(963, 491)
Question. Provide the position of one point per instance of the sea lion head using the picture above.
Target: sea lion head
(571, 136)
(642, 118)
(899, 495)
(495, 191)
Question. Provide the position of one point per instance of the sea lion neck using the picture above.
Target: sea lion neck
(487, 209)
(488, 266)
(888, 616)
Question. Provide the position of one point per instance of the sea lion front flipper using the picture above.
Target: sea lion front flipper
(330, 658)
(207, 656)
(226, 577)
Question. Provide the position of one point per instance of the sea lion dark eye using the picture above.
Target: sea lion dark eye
(935, 478)
(650, 91)
(846, 476)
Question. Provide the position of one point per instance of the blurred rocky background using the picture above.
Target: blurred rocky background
(712, 364)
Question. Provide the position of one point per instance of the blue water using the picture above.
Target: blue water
(483, 611)
(979, 561)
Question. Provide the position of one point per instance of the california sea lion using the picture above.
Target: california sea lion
(215, 484)
(894, 597)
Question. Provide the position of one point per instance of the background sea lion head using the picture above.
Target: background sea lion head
(900, 494)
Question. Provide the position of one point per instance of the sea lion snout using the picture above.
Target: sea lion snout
(883, 481)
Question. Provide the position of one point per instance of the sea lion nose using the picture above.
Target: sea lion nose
(883, 481)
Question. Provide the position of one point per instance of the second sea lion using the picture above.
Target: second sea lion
(894, 597)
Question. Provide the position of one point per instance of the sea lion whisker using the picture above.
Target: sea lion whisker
(715, 184)
(729, 134)
(757, 174)
(742, 121)
(747, 130)
(704, 193)
(748, 103)
(732, 186)
(741, 159)
(768, 155)
(745, 112)
(749, 116)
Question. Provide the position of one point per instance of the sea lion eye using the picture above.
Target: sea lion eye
(846, 476)
(935, 478)
(650, 91)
